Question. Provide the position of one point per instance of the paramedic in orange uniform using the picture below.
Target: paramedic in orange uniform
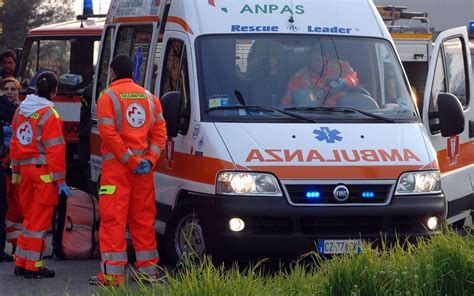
(133, 134)
(320, 83)
(38, 156)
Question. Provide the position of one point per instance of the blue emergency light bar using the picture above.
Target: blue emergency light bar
(470, 29)
(313, 194)
(88, 7)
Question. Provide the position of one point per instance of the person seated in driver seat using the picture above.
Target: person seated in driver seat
(321, 82)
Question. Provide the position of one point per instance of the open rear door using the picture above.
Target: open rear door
(449, 72)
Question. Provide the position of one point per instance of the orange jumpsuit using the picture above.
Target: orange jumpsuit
(38, 153)
(15, 212)
(318, 83)
(131, 128)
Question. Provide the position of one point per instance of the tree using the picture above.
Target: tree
(20, 16)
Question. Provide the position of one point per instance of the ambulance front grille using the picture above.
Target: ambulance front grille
(322, 194)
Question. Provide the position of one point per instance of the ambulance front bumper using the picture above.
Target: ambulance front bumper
(273, 227)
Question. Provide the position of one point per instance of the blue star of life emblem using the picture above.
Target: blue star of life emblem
(328, 135)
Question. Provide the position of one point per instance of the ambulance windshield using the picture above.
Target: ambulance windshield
(307, 75)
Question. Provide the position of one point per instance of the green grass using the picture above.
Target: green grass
(443, 265)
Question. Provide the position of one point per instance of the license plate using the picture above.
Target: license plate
(341, 246)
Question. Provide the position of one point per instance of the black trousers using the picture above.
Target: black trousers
(3, 208)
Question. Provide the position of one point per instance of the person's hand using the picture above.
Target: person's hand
(64, 190)
(16, 178)
(339, 83)
(143, 168)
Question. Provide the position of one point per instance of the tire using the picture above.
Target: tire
(184, 235)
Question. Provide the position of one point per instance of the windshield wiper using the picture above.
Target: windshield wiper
(260, 108)
(343, 110)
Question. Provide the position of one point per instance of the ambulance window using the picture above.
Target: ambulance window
(183, 87)
(134, 41)
(104, 62)
(456, 69)
(176, 78)
(438, 86)
(46, 55)
(156, 64)
(169, 80)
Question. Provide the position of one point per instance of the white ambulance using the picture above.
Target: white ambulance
(292, 126)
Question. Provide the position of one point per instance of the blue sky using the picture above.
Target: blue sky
(102, 4)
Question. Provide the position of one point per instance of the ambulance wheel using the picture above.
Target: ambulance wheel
(184, 236)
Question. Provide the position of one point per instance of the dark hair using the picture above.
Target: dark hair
(47, 82)
(122, 66)
(8, 54)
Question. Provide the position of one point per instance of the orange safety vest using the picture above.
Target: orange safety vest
(38, 139)
(131, 124)
(333, 70)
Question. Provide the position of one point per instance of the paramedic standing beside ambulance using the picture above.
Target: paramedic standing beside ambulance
(38, 157)
(133, 134)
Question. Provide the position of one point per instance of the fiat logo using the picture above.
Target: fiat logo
(341, 193)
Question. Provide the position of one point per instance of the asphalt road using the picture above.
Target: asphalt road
(72, 278)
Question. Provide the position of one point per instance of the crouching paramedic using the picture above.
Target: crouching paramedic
(133, 134)
(38, 156)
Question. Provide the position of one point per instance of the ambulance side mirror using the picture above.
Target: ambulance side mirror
(451, 115)
(171, 103)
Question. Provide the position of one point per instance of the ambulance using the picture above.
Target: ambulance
(258, 162)
(70, 50)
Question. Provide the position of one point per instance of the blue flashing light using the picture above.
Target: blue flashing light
(88, 7)
(470, 28)
(368, 194)
(313, 194)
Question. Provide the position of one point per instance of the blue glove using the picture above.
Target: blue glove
(144, 167)
(339, 83)
(64, 190)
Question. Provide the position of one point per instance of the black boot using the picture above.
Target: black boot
(40, 274)
(4, 257)
(18, 271)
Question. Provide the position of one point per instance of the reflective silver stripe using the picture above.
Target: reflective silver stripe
(149, 270)
(39, 132)
(126, 156)
(14, 234)
(152, 107)
(159, 117)
(54, 142)
(14, 224)
(146, 255)
(21, 252)
(33, 160)
(14, 162)
(34, 256)
(33, 234)
(110, 269)
(108, 156)
(138, 152)
(117, 107)
(114, 256)
(155, 148)
(108, 121)
(58, 176)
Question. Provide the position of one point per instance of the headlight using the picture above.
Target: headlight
(419, 183)
(243, 183)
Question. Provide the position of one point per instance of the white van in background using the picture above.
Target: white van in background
(267, 158)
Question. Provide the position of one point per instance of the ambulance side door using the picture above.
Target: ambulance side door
(101, 81)
(176, 76)
(449, 72)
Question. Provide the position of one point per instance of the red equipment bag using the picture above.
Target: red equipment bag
(76, 226)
